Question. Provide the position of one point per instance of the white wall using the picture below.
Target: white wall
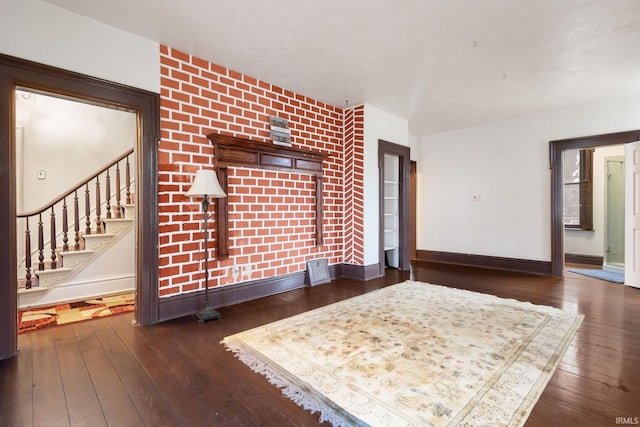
(377, 125)
(584, 242)
(40, 32)
(506, 164)
(68, 141)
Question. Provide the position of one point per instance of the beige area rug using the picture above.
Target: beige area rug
(413, 354)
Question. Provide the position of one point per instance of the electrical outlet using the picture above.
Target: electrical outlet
(247, 270)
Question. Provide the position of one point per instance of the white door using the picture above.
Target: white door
(632, 215)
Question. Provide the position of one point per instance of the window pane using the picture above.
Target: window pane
(571, 166)
(571, 199)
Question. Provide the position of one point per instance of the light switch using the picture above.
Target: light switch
(42, 174)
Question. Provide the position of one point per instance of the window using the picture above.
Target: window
(577, 173)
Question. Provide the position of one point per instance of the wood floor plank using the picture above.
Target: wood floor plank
(224, 415)
(49, 403)
(117, 407)
(253, 395)
(153, 409)
(178, 373)
(82, 401)
(553, 410)
(186, 389)
(16, 390)
(590, 395)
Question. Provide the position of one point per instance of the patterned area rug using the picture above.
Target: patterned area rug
(413, 354)
(39, 318)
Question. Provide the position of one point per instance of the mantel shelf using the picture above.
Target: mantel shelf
(232, 151)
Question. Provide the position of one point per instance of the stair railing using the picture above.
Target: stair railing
(60, 203)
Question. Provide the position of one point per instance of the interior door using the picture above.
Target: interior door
(632, 214)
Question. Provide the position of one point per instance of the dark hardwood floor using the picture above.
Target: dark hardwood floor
(108, 372)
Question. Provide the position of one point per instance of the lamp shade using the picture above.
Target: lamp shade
(206, 185)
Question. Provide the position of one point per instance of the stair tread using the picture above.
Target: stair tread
(79, 251)
(90, 236)
(49, 271)
(32, 290)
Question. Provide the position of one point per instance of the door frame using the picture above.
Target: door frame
(19, 72)
(413, 203)
(555, 157)
(404, 202)
(607, 195)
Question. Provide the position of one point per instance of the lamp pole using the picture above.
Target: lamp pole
(207, 313)
(206, 185)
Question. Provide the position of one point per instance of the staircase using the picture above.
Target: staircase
(99, 260)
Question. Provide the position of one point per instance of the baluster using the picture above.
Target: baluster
(118, 204)
(87, 210)
(76, 222)
(128, 183)
(27, 256)
(53, 239)
(98, 211)
(65, 226)
(107, 194)
(40, 243)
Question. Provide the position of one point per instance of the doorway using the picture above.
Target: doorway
(61, 142)
(15, 72)
(556, 149)
(394, 206)
(614, 215)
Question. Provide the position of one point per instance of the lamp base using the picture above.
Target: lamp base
(207, 313)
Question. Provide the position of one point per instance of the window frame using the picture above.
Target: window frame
(585, 184)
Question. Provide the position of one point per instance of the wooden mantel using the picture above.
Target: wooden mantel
(232, 151)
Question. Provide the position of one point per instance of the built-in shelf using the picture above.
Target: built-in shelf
(232, 151)
(391, 209)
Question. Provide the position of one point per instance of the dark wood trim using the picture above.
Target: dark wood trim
(319, 216)
(583, 259)
(413, 251)
(498, 263)
(555, 163)
(232, 151)
(19, 72)
(360, 272)
(8, 266)
(245, 152)
(187, 304)
(222, 216)
(403, 152)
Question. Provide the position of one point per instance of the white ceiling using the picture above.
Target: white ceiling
(441, 64)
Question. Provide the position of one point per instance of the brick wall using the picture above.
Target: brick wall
(354, 185)
(271, 213)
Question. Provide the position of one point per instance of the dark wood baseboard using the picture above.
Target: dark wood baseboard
(513, 264)
(360, 272)
(187, 304)
(583, 259)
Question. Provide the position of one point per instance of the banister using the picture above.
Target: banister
(74, 188)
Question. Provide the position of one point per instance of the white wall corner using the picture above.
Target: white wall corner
(378, 125)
